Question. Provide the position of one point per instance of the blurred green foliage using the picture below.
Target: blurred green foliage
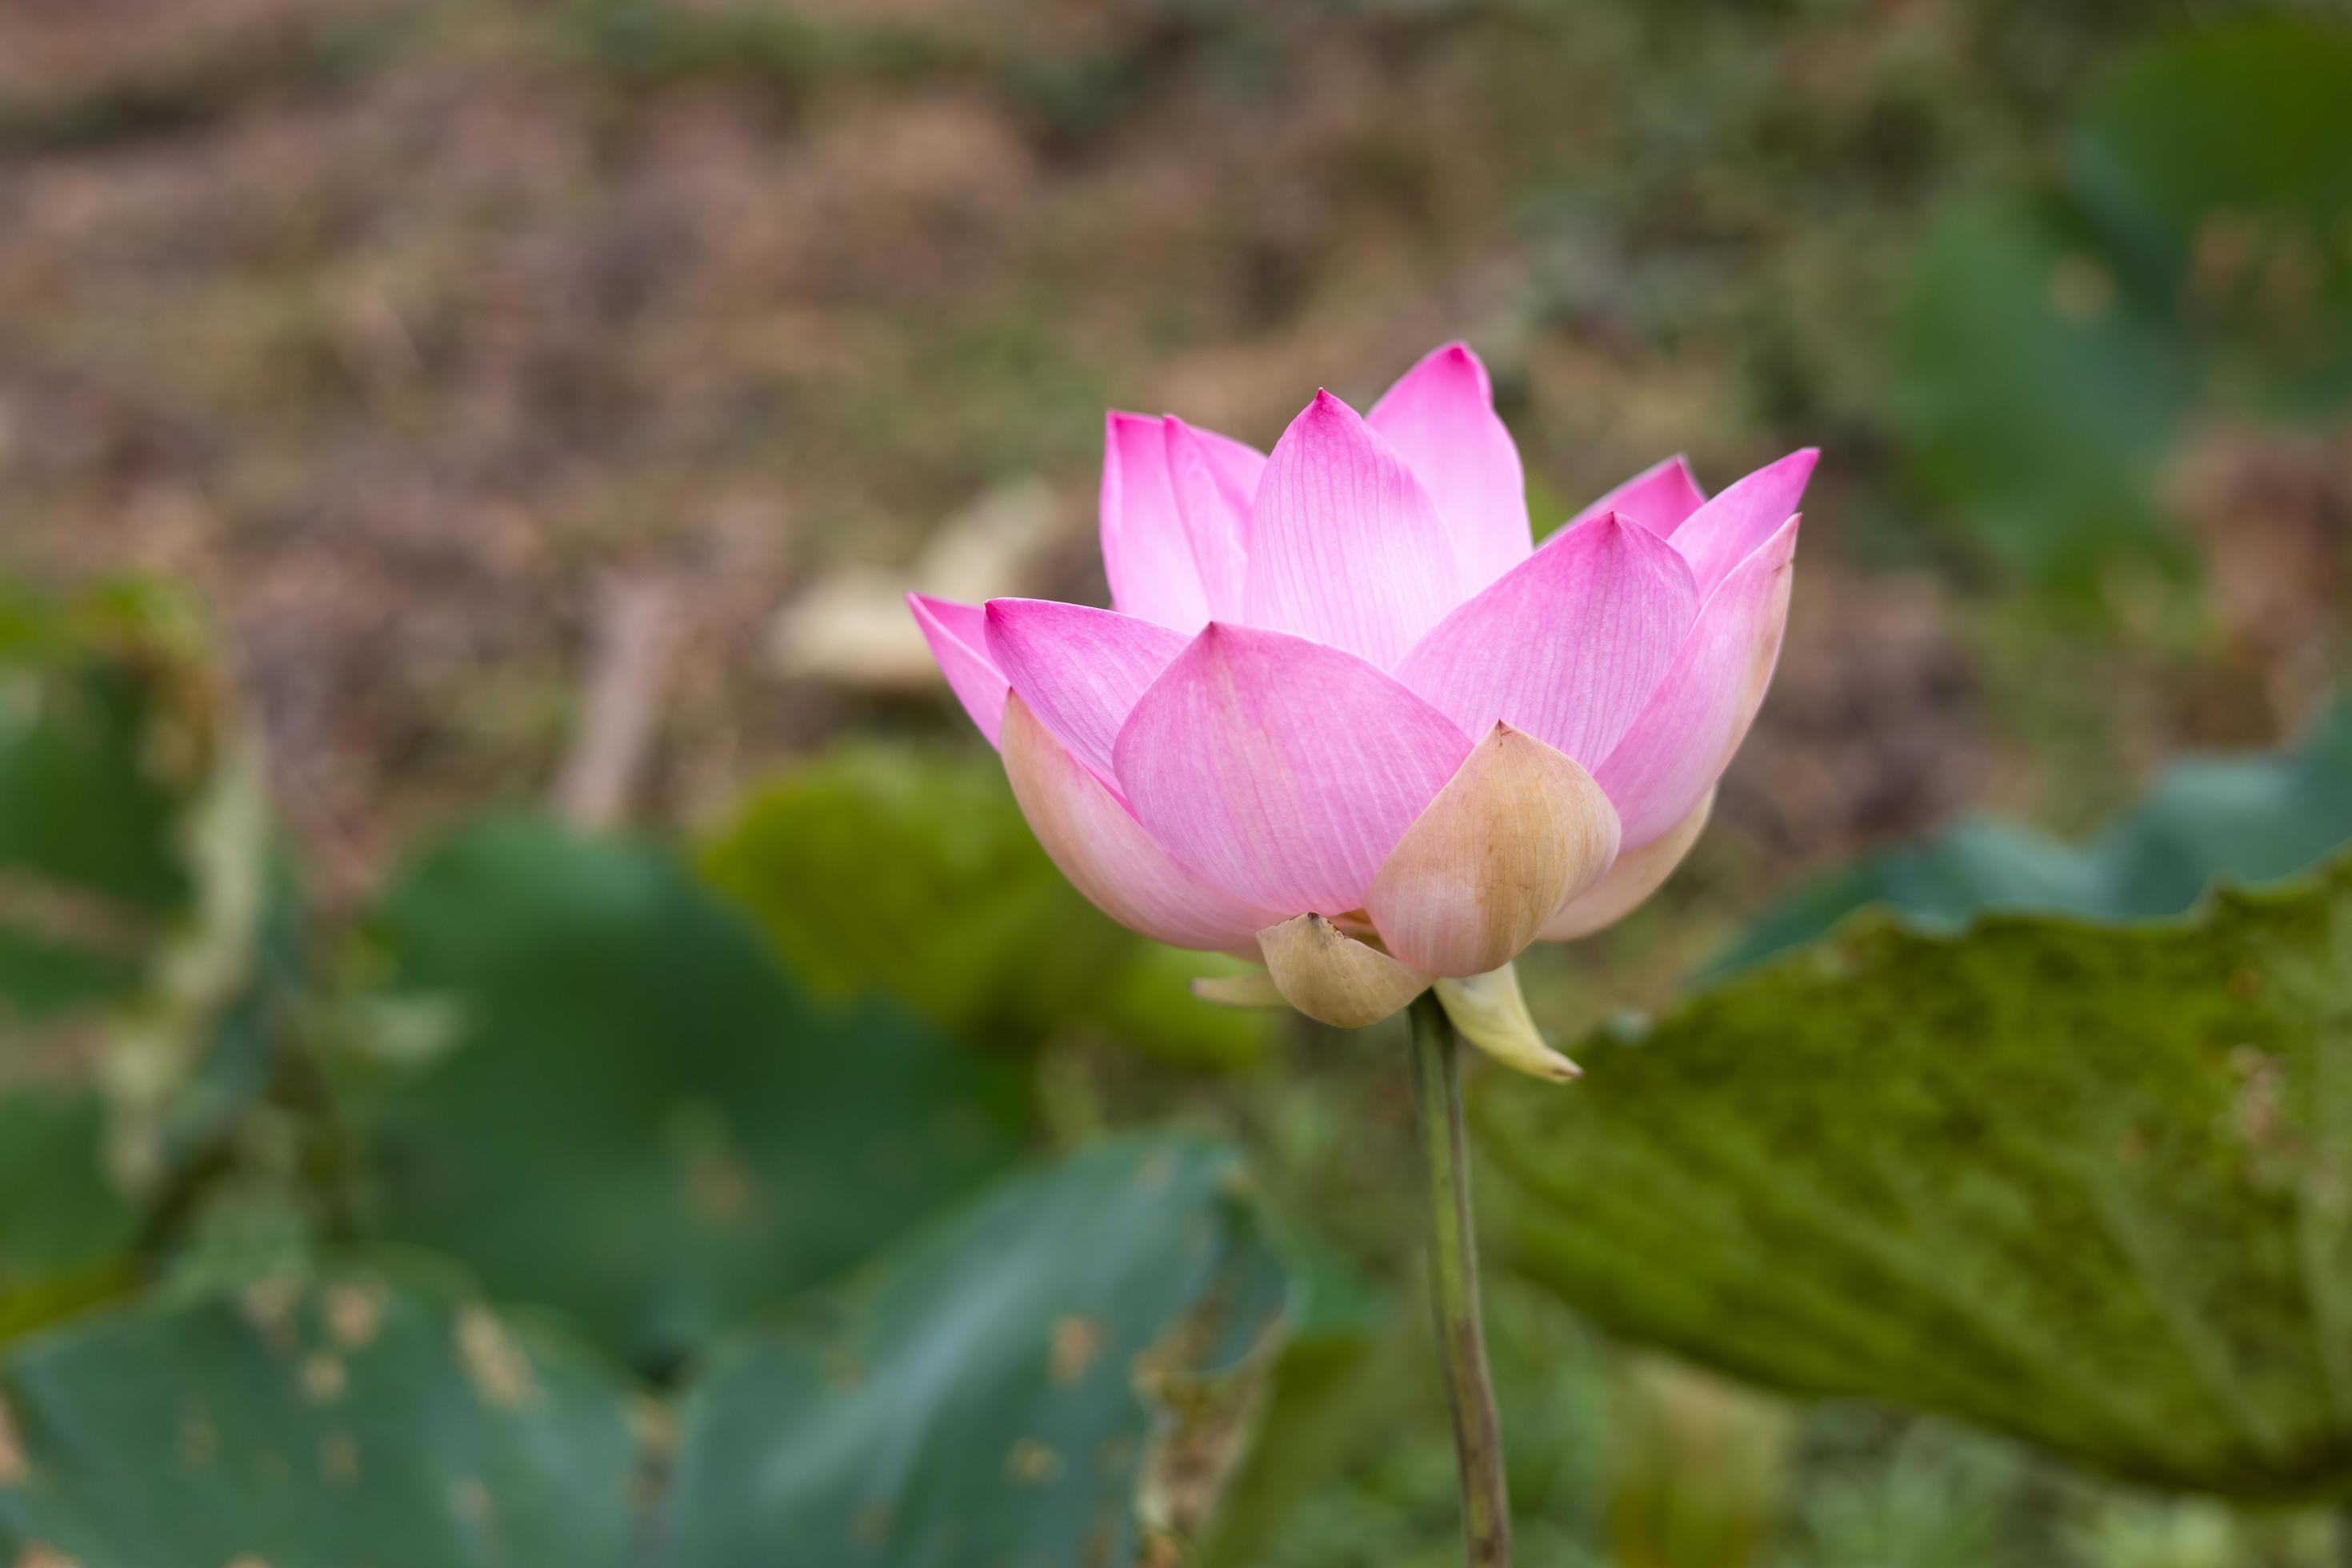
(66, 1225)
(105, 742)
(2191, 264)
(2209, 821)
(1061, 1369)
(634, 1113)
(146, 926)
(285, 1422)
(913, 874)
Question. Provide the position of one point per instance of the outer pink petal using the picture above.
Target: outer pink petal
(1727, 530)
(1079, 670)
(1214, 478)
(1440, 417)
(1685, 737)
(1658, 498)
(1106, 853)
(957, 635)
(1282, 770)
(1568, 645)
(1345, 545)
(1146, 553)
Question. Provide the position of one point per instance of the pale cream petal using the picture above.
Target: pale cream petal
(1516, 831)
(1333, 978)
(1636, 874)
(1491, 1015)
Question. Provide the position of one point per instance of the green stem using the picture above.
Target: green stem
(1453, 1289)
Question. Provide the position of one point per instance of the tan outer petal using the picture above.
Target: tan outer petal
(1097, 844)
(1333, 978)
(1516, 831)
(1637, 874)
(1492, 1014)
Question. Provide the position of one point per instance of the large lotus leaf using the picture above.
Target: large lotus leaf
(1044, 1378)
(913, 873)
(633, 1112)
(346, 1419)
(2082, 1184)
(2206, 820)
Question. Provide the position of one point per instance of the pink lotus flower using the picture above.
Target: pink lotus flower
(1348, 719)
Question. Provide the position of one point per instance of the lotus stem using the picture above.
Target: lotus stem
(1453, 1289)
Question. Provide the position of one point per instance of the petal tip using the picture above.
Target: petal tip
(1003, 610)
(1492, 1014)
(1459, 355)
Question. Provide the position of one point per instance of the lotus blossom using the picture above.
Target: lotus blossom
(1347, 720)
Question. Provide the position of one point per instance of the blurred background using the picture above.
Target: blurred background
(540, 407)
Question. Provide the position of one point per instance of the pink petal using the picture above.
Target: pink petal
(1440, 417)
(1685, 737)
(1658, 498)
(1146, 553)
(1345, 545)
(1283, 771)
(1727, 530)
(1106, 853)
(1214, 478)
(1568, 645)
(1079, 670)
(957, 635)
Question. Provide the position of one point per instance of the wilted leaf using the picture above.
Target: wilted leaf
(1044, 1378)
(349, 1418)
(914, 874)
(2208, 820)
(2088, 1185)
(637, 1116)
